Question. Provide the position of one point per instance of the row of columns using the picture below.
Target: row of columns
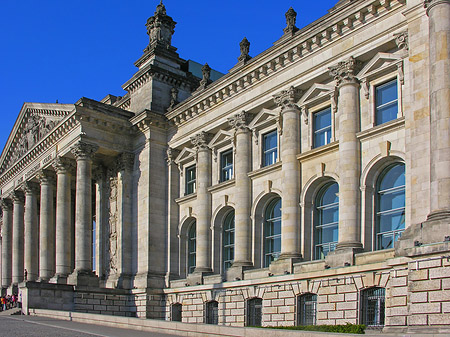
(20, 223)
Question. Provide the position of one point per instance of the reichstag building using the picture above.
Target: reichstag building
(308, 185)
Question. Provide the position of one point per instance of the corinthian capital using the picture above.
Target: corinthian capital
(18, 197)
(125, 161)
(239, 122)
(82, 150)
(30, 187)
(6, 204)
(286, 99)
(200, 140)
(62, 165)
(46, 177)
(345, 71)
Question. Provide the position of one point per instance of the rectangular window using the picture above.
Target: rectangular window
(226, 165)
(322, 127)
(270, 148)
(386, 102)
(190, 179)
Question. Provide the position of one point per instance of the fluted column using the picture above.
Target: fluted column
(18, 224)
(203, 206)
(47, 226)
(7, 208)
(63, 243)
(349, 154)
(83, 153)
(242, 165)
(31, 231)
(439, 74)
(290, 172)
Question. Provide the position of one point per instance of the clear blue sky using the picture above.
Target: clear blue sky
(63, 50)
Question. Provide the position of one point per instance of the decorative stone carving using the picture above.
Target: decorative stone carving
(201, 140)
(83, 151)
(63, 165)
(173, 98)
(287, 99)
(239, 122)
(98, 173)
(112, 190)
(206, 73)
(291, 18)
(401, 39)
(345, 71)
(17, 196)
(125, 161)
(245, 50)
(30, 187)
(46, 177)
(6, 204)
(160, 28)
(171, 155)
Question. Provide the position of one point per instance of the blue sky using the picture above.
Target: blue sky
(63, 50)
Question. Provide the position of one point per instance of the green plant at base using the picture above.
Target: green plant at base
(347, 328)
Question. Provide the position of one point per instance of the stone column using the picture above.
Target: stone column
(349, 154)
(101, 217)
(63, 243)
(242, 165)
(203, 206)
(31, 231)
(47, 227)
(83, 153)
(17, 257)
(290, 172)
(438, 12)
(7, 208)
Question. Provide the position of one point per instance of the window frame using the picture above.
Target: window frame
(192, 182)
(228, 246)
(272, 255)
(225, 168)
(172, 313)
(264, 151)
(211, 312)
(301, 318)
(375, 86)
(330, 127)
(191, 240)
(380, 311)
(253, 304)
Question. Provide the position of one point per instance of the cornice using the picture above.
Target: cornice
(328, 29)
(148, 119)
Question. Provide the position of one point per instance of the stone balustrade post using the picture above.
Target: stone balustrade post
(18, 224)
(7, 209)
(47, 226)
(203, 206)
(31, 244)
(242, 166)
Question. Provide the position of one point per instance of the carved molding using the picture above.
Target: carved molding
(345, 71)
(84, 151)
(401, 39)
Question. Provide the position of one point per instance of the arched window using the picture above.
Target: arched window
(176, 312)
(327, 220)
(228, 241)
(390, 206)
(254, 312)
(192, 248)
(372, 307)
(307, 309)
(272, 231)
(212, 312)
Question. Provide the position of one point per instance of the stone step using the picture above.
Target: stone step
(12, 311)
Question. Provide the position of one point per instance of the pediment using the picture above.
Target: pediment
(316, 92)
(220, 138)
(185, 155)
(379, 62)
(263, 117)
(34, 122)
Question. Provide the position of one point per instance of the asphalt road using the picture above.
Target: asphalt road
(24, 326)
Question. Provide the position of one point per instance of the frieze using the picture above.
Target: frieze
(32, 171)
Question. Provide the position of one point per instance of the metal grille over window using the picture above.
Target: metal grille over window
(176, 312)
(322, 127)
(373, 307)
(327, 220)
(192, 248)
(270, 150)
(228, 240)
(212, 312)
(386, 102)
(390, 217)
(307, 308)
(272, 232)
(226, 164)
(254, 312)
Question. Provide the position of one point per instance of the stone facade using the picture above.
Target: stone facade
(309, 185)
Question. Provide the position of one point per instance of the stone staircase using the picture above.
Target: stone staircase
(12, 311)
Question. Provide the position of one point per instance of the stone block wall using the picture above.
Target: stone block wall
(104, 303)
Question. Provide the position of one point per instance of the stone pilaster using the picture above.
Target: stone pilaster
(7, 209)
(18, 224)
(63, 243)
(438, 12)
(31, 231)
(290, 148)
(83, 153)
(203, 206)
(349, 240)
(242, 165)
(47, 226)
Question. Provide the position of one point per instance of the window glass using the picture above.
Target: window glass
(307, 308)
(270, 150)
(386, 106)
(192, 248)
(226, 165)
(322, 127)
(372, 307)
(327, 220)
(212, 312)
(390, 215)
(254, 312)
(190, 179)
(272, 232)
(228, 240)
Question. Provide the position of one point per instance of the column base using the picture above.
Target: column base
(59, 279)
(83, 279)
(196, 278)
(285, 264)
(236, 271)
(343, 256)
(441, 214)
